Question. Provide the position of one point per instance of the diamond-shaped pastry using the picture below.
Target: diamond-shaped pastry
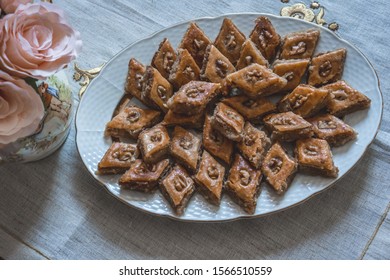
(144, 177)
(131, 121)
(255, 80)
(251, 109)
(332, 129)
(177, 187)
(230, 40)
(345, 99)
(288, 126)
(292, 70)
(254, 145)
(243, 184)
(154, 143)
(196, 42)
(299, 44)
(171, 119)
(215, 143)
(184, 69)
(265, 37)
(304, 100)
(250, 54)
(134, 80)
(192, 98)
(215, 65)
(314, 156)
(228, 122)
(185, 148)
(118, 158)
(209, 178)
(164, 58)
(156, 89)
(279, 168)
(327, 67)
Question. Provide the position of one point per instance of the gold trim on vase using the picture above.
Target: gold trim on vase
(86, 75)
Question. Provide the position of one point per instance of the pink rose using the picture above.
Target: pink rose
(9, 6)
(36, 41)
(21, 109)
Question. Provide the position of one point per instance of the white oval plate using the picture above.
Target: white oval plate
(104, 93)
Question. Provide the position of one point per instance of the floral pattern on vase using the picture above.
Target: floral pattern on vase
(57, 99)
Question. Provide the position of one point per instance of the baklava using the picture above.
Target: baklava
(215, 65)
(265, 37)
(243, 184)
(279, 168)
(215, 143)
(288, 126)
(254, 145)
(327, 67)
(209, 178)
(144, 177)
(131, 121)
(305, 101)
(185, 148)
(332, 129)
(345, 99)
(228, 122)
(154, 143)
(164, 58)
(229, 40)
(314, 156)
(192, 98)
(177, 187)
(196, 42)
(118, 158)
(255, 81)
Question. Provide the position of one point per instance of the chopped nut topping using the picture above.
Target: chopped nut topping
(221, 67)
(325, 68)
(245, 177)
(168, 61)
(230, 41)
(248, 60)
(180, 182)
(133, 116)
(213, 172)
(198, 43)
(194, 91)
(311, 150)
(264, 36)
(124, 155)
(275, 164)
(298, 49)
(327, 124)
(232, 115)
(139, 78)
(186, 143)
(283, 120)
(188, 71)
(145, 168)
(289, 76)
(250, 139)
(299, 101)
(340, 95)
(253, 76)
(162, 92)
(156, 137)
